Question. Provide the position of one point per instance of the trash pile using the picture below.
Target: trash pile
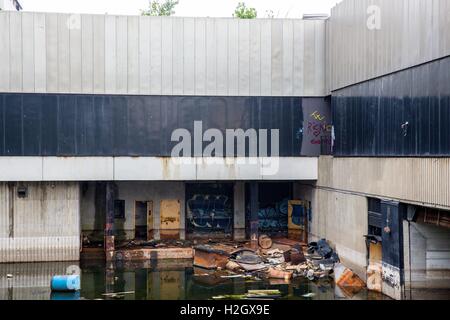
(277, 259)
(274, 259)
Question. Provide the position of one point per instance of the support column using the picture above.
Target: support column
(109, 222)
(239, 211)
(392, 249)
(254, 221)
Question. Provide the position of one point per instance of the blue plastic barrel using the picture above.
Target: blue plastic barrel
(65, 283)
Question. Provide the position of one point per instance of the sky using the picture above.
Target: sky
(185, 8)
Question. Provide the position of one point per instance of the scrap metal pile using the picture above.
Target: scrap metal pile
(277, 259)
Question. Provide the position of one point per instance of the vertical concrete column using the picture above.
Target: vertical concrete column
(239, 211)
(109, 222)
(254, 207)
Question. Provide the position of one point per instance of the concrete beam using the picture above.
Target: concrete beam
(156, 169)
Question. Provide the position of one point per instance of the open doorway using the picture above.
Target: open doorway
(143, 212)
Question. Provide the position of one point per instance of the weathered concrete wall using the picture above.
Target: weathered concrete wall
(49, 52)
(43, 226)
(91, 220)
(339, 200)
(427, 258)
(341, 219)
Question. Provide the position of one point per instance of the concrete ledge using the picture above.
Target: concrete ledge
(154, 254)
(156, 169)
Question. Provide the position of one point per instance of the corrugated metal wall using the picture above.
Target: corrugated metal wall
(411, 32)
(416, 180)
(46, 52)
(402, 114)
(43, 226)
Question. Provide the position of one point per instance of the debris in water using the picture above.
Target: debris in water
(265, 241)
(348, 281)
(308, 295)
(251, 294)
(117, 293)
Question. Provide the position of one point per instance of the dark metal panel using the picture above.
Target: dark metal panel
(49, 125)
(137, 126)
(120, 125)
(104, 130)
(444, 104)
(32, 124)
(408, 132)
(424, 111)
(67, 114)
(433, 93)
(297, 116)
(13, 125)
(98, 125)
(86, 137)
(156, 136)
(392, 233)
(401, 114)
(2, 126)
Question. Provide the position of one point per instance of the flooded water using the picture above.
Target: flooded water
(172, 280)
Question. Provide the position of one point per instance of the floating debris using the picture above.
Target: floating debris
(308, 295)
(251, 295)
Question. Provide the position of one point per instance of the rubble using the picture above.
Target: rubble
(279, 274)
(279, 261)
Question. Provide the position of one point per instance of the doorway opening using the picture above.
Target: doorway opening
(273, 214)
(143, 213)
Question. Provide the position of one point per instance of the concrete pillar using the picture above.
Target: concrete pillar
(109, 221)
(239, 211)
(254, 208)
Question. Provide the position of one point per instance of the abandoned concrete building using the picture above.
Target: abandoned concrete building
(90, 106)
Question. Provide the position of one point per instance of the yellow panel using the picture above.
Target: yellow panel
(170, 285)
(292, 203)
(375, 254)
(170, 214)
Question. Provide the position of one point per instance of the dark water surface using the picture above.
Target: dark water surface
(173, 280)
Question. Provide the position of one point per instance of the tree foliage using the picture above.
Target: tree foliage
(243, 12)
(156, 8)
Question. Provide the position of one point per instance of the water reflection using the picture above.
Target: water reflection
(172, 280)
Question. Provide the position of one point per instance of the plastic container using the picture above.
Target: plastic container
(65, 283)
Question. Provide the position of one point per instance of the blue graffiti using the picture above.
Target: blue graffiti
(210, 212)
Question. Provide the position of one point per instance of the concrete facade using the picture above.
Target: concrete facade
(43, 225)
